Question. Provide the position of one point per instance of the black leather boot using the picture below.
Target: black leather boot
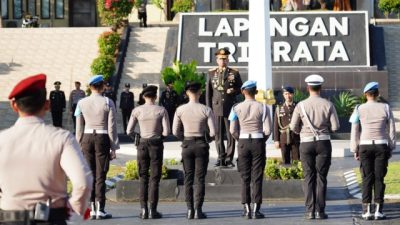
(144, 214)
(190, 214)
(379, 215)
(367, 215)
(246, 211)
(198, 214)
(256, 213)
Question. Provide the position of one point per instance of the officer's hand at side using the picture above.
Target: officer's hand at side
(113, 155)
(277, 145)
(356, 156)
(230, 90)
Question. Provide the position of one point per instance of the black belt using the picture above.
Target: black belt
(156, 138)
(194, 138)
(56, 214)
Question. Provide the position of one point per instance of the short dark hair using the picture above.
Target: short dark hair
(315, 87)
(251, 91)
(150, 94)
(31, 103)
(373, 92)
(98, 86)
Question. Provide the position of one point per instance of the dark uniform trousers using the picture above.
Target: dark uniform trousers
(251, 164)
(222, 128)
(149, 156)
(289, 152)
(96, 150)
(57, 117)
(373, 167)
(195, 156)
(316, 160)
(126, 113)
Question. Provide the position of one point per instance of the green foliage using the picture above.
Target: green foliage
(158, 3)
(362, 99)
(171, 162)
(108, 43)
(389, 6)
(182, 6)
(299, 95)
(180, 73)
(104, 65)
(274, 171)
(132, 171)
(114, 14)
(345, 103)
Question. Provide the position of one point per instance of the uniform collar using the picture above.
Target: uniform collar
(96, 94)
(249, 100)
(149, 103)
(29, 120)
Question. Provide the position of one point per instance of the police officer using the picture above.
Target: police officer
(223, 86)
(251, 126)
(29, 143)
(96, 131)
(154, 126)
(315, 118)
(170, 100)
(373, 138)
(126, 104)
(286, 140)
(108, 92)
(57, 103)
(190, 125)
(74, 98)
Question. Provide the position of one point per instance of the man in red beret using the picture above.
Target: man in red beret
(39, 195)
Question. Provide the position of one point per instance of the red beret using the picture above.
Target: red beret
(30, 84)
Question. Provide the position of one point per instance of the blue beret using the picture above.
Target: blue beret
(288, 89)
(371, 86)
(314, 80)
(249, 84)
(95, 79)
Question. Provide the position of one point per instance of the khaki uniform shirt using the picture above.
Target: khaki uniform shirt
(377, 123)
(97, 112)
(75, 96)
(35, 160)
(192, 119)
(252, 117)
(321, 113)
(153, 121)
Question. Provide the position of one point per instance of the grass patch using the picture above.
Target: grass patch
(392, 179)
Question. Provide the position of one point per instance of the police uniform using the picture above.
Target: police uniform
(190, 125)
(170, 100)
(35, 161)
(251, 126)
(126, 104)
(219, 81)
(373, 138)
(109, 93)
(315, 118)
(288, 140)
(57, 104)
(74, 98)
(96, 131)
(154, 125)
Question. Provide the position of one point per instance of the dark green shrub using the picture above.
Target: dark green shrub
(299, 95)
(389, 6)
(132, 171)
(272, 170)
(345, 103)
(182, 6)
(108, 43)
(115, 13)
(104, 65)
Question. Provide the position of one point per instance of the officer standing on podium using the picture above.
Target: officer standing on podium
(190, 125)
(154, 126)
(373, 138)
(35, 161)
(251, 126)
(222, 87)
(284, 138)
(315, 118)
(96, 131)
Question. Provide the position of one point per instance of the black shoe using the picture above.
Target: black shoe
(144, 214)
(219, 163)
(246, 211)
(256, 213)
(190, 214)
(321, 216)
(198, 214)
(309, 215)
(154, 214)
(229, 164)
(101, 215)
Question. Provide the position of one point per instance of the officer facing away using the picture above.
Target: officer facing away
(284, 138)
(190, 125)
(57, 104)
(38, 195)
(373, 138)
(315, 118)
(251, 126)
(222, 87)
(154, 126)
(96, 131)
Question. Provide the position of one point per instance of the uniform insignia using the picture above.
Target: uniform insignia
(231, 77)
